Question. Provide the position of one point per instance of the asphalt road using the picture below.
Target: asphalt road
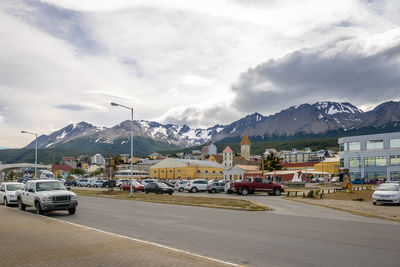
(293, 234)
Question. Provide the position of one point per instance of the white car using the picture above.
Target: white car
(180, 185)
(121, 181)
(197, 185)
(7, 193)
(387, 193)
(96, 183)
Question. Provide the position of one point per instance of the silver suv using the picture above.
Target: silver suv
(197, 185)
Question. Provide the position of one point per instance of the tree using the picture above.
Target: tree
(271, 163)
(11, 175)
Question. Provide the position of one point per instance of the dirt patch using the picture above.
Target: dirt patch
(350, 202)
(224, 203)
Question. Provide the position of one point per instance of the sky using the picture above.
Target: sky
(198, 63)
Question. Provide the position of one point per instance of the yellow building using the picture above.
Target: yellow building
(172, 168)
(330, 165)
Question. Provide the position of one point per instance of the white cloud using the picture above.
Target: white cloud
(64, 60)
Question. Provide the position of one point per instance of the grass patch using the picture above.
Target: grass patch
(222, 203)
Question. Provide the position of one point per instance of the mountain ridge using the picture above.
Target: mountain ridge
(309, 119)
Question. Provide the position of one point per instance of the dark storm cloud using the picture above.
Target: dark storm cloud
(72, 107)
(310, 75)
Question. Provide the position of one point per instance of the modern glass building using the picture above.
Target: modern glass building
(371, 157)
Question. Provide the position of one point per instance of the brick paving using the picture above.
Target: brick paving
(27, 239)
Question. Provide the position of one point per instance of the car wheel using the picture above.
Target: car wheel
(21, 206)
(374, 203)
(213, 191)
(277, 192)
(181, 189)
(245, 191)
(229, 191)
(38, 208)
(71, 211)
(171, 192)
(146, 191)
(193, 190)
(5, 202)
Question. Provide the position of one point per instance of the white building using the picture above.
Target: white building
(98, 159)
(371, 157)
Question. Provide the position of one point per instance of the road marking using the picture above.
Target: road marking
(146, 242)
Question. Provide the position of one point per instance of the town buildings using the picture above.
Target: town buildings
(98, 159)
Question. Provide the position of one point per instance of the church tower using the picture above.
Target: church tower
(245, 147)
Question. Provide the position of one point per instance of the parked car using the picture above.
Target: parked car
(257, 184)
(197, 185)
(136, 186)
(317, 180)
(158, 188)
(216, 187)
(96, 183)
(180, 185)
(82, 182)
(7, 192)
(46, 195)
(167, 184)
(119, 182)
(335, 180)
(357, 181)
(109, 183)
(387, 193)
(70, 182)
(147, 181)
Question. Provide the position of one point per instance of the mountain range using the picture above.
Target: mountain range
(318, 119)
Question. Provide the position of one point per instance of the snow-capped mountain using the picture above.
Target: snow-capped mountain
(317, 118)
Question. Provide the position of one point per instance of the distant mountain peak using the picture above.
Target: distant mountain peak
(332, 108)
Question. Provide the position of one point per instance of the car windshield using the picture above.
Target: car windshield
(388, 187)
(14, 187)
(49, 186)
(161, 185)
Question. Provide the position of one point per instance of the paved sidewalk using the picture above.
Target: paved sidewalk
(27, 239)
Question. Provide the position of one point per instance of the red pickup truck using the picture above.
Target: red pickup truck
(252, 185)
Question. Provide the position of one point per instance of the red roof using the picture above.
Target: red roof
(61, 167)
(227, 150)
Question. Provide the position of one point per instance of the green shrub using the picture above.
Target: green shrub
(310, 194)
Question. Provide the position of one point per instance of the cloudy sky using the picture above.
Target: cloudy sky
(194, 62)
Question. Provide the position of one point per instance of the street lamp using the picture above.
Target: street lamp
(131, 109)
(35, 134)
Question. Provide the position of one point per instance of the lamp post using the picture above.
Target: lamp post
(35, 134)
(131, 109)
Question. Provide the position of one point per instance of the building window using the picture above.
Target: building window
(395, 176)
(395, 160)
(213, 171)
(355, 162)
(355, 176)
(198, 171)
(354, 146)
(343, 147)
(374, 176)
(170, 171)
(375, 144)
(179, 170)
(162, 171)
(155, 171)
(206, 171)
(341, 163)
(375, 161)
(394, 143)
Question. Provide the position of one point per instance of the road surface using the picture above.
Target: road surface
(293, 234)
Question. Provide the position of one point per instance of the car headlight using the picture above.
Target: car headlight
(47, 199)
(74, 197)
